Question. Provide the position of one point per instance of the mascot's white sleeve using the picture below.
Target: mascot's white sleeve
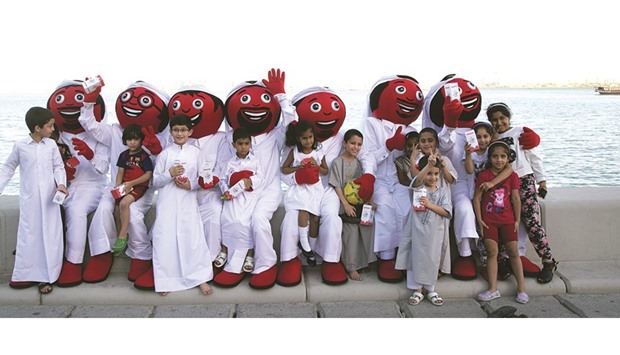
(100, 161)
(289, 114)
(447, 139)
(100, 131)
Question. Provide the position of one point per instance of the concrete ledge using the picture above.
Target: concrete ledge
(591, 276)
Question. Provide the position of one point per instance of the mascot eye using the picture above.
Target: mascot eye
(245, 99)
(335, 105)
(400, 89)
(266, 98)
(198, 104)
(471, 85)
(176, 105)
(419, 95)
(59, 98)
(126, 96)
(146, 101)
(315, 107)
(79, 97)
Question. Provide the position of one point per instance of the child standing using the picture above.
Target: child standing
(135, 170)
(498, 214)
(306, 198)
(529, 168)
(420, 251)
(357, 240)
(39, 251)
(403, 164)
(181, 257)
(237, 243)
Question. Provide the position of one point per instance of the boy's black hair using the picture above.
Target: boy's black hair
(132, 131)
(241, 133)
(432, 131)
(423, 162)
(181, 120)
(352, 133)
(38, 116)
(294, 130)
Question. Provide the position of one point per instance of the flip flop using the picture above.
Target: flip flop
(43, 288)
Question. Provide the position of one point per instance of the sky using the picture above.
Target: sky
(340, 44)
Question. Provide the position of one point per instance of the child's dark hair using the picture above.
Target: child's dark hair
(241, 133)
(432, 131)
(488, 127)
(412, 135)
(38, 116)
(181, 120)
(423, 162)
(132, 131)
(352, 133)
(498, 106)
(294, 130)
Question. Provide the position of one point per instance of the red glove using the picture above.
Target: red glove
(201, 182)
(275, 81)
(92, 97)
(529, 139)
(367, 186)
(70, 171)
(150, 140)
(309, 175)
(236, 177)
(397, 141)
(82, 148)
(451, 112)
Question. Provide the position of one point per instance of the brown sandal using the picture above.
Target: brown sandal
(45, 288)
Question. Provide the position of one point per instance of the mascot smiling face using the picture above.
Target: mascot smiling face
(143, 105)
(66, 102)
(323, 109)
(471, 99)
(252, 106)
(398, 100)
(205, 110)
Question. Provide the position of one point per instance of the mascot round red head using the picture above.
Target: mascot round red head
(66, 101)
(471, 100)
(204, 109)
(397, 99)
(253, 106)
(323, 109)
(144, 105)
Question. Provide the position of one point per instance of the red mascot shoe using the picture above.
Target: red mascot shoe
(146, 282)
(529, 268)
(228, 279)
(70, 275)
(333, 273)
(464, 268)
(137, 268)
(387, 272)
(19, 285)
(289, 273)
(265, 279)
(98, 268)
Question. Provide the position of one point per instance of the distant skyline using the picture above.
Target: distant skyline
(344, 45)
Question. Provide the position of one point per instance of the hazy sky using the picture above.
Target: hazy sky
(341, 44)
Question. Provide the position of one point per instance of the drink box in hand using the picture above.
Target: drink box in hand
(470, 136)
(207, 172)
(92, 84)
(234, 191)
(453, 91)
(119, 191)
(368, 215)
(59, 197)
(417, 195)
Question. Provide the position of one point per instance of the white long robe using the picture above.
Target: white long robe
(39, 233)
(181, 256)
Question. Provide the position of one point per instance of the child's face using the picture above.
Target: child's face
(431, 178)
(411, 142)
(353, 145)
(134, 144)
(499, 158)
(180, 134)
(427, 143)
(500, 122)
(47, 129)
(306, 139)
(484, 138)
(242, 146)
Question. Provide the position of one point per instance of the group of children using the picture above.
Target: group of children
(423, 252)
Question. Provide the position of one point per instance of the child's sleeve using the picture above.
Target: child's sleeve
(147, 164)
(335, 179)
(58, 166)
(8, 169)
(258, 179)
(161, 176)
(536, 163)
(445, 203)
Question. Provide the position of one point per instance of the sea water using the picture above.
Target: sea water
(579, 129)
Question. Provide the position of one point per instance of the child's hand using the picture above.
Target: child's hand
(176, 170)
(482, 226)
(414, 152)
(424, 201)
(62, 188)
(183, 183)
(441, 161)
(432, 159)
(467, 149)
(350, 210)
(486, 186)
(516, 229)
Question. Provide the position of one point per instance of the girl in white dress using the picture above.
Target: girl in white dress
(306, 198)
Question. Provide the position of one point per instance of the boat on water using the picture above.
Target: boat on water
(608, 90)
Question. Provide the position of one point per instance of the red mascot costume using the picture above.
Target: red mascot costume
(393, 104)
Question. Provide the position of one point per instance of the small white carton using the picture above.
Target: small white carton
(59, 197)
(368, 215)
(417, 195)
(470, 136)
(452, 91)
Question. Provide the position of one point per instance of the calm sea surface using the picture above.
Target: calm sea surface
(579, 129)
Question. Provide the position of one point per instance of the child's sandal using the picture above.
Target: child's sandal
(220, 260)
(248, 264)
(416, 298)
(435, 298)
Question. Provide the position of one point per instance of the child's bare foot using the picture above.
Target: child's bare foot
(163, 294)
(354, 275)
(205, 289)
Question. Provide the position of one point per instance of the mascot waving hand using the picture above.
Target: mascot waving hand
(393, 104)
